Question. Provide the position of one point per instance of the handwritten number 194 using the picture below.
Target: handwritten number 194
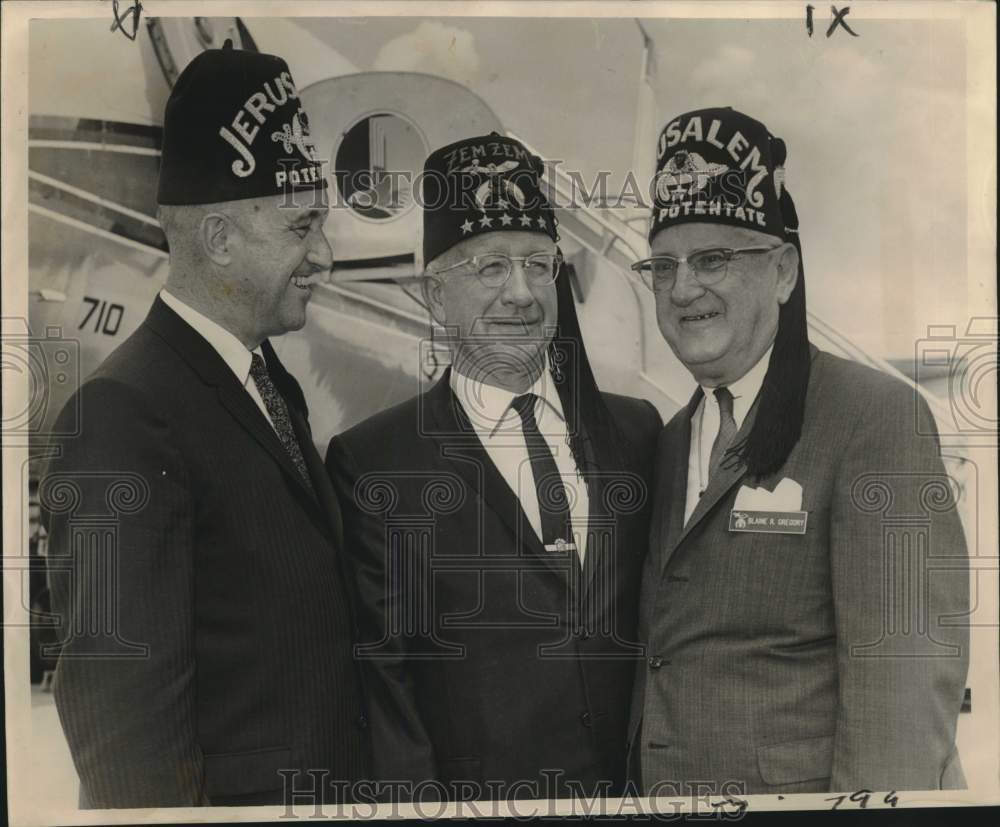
(862, 797)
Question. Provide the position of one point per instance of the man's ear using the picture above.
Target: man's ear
(788, 271)
(431, 288)
(217, 234)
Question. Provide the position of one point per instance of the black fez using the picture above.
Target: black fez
(234, 128)
(481, 185)
(723, 167)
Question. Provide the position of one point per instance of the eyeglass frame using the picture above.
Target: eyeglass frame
(730, 252)
(557, 261)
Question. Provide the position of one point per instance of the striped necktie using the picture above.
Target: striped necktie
(727, 429)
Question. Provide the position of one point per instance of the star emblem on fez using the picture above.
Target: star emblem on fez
(467, 226)
(541, 222)
(506, 220)
(525, 220)
(485, 221)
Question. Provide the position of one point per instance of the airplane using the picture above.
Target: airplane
(97, 256)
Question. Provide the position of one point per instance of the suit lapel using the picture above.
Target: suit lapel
(245, 411)
(673, 459)
(298, 414)
(322, 492)
(721, 482)
(459, 444)
(599, 457)
(213, 370)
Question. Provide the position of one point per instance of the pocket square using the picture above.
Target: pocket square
(787, 496)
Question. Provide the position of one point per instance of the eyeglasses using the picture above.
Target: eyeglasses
(709, 267)
(494, 269)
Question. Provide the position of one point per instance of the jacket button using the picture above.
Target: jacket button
(362, 722)
(585, 719)
(655, 662)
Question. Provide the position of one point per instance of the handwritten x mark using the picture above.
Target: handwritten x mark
(134, 12)
(838, 20)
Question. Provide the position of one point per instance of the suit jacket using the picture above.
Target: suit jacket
(830, 660)
(202, 585)
(491, 661)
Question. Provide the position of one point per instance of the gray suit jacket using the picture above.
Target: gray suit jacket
(830, 660)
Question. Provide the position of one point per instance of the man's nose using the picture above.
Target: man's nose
(516, 289)
(686, 287)
(320, 253)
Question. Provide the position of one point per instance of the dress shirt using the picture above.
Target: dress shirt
(499, 428)
(705, 426)
(231, 349)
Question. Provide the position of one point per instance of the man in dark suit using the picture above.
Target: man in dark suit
(805, 595)
(197, 540)
(497, 522)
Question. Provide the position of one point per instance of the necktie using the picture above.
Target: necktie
(553, 505)
(727, 429)
(278, 411)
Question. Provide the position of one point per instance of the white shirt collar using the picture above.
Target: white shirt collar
(231, 349)
(744, 389)
(489, 407)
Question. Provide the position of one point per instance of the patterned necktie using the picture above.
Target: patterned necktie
(278, 411)
(727, 429)
(553, 505)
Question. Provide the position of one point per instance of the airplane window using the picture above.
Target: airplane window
(376, 161)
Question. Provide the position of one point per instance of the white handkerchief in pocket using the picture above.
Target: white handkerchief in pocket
(787, 496)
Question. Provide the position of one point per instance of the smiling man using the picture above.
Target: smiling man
(498, 521)
(796, 640)
(228, 666)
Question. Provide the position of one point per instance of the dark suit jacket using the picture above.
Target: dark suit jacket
(490, 659)
(833, 660)
(202, 584)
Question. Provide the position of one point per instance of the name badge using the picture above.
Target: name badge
(768, 522)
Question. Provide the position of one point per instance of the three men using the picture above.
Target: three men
(498, 521)
(797, 641)
(207, 610)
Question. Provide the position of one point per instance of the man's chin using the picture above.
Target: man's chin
(293, 321)
(698, 355)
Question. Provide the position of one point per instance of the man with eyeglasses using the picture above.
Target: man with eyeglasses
(796, 639)
(498, 521)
